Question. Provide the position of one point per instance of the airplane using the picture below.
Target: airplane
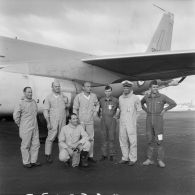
(25, 63)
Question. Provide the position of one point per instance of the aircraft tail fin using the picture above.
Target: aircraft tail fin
(161, 40)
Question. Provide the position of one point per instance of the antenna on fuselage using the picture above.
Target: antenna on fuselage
(159, 7)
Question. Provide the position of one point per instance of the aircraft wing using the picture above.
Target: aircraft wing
(31, 58)
(148, 66)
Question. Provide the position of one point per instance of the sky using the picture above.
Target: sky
(101, 27)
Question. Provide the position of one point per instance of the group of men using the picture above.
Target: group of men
(76, 139)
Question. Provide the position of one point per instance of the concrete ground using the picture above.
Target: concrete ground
(105, 178)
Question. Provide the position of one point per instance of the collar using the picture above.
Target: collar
(108, 99)
(155, 95)
(87, 97)
(56, 96)
(127, 96)
(27, 100)
(71, 126)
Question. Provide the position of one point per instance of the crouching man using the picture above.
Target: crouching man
(73, 138)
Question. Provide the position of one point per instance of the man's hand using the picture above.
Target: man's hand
(49, 126)
(18, 124)
(162, 113)
(76, 145)
(116, 117)
(70, 150)
(95, 116)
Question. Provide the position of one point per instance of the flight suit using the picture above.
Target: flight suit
(85, 107)
(69, 136)
(56, 106)
(108, 124)
(154, 122)
(129, 107)
(25, 116)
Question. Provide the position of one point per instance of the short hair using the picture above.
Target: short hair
(52, 84)
(25, 88)
(70, 115)
(108, 87)
(153, 82)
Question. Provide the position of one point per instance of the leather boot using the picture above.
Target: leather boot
(83, 159)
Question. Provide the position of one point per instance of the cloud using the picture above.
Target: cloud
(108, 26)
(100, 27)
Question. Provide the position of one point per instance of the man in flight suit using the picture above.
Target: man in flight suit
(86, 106)
(25, 116)
(55, 114)
(108, 108)
(130, 106)
(154, 105)
(73, 137)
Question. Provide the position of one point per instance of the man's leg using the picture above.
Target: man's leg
(124, 143)
(160, 151)
(132, 135)
(150, 135)
(35, 145)
(111, 137)
(104, 139)
(49, 140)
(62, 123)
(52, 133)
(90, 131)
(159, 140)
(25, 146)
(64, 156)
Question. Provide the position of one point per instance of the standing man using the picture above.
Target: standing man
(25, 116)
(108, 107)
(86, 106)
(130, 106)
(55, 114)
(154, 105)
(73, 137)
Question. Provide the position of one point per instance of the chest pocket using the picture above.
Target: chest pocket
(159, 106)
(130, 107)
(62, 103)
(29, 109)
(149, 106)
(75, 136)
(58, 103)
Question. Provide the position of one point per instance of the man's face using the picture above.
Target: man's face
(56, 87)
(87, 87)
(108, 93)
(74, 120)
(154, 89)
(127, 90)
(28, 93)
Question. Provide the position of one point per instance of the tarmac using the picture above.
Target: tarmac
(105, 178)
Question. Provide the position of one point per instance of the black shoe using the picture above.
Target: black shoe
(27, 165)
(103, 158)
(131, 163)
(84, 159)
(37, 164)
(67, 164)
(83, 162)
(48, 159)
(123, 161)
(111, 158)
(90, 159)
